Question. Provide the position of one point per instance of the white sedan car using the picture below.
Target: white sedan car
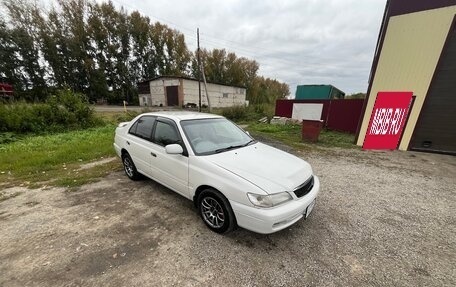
(232, 179)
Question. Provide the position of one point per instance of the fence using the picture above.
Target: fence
(339, 115)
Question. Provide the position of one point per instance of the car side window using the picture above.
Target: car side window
(132, 130)
(143, 127)
(165, 134)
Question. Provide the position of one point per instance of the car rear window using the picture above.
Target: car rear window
(143, 127)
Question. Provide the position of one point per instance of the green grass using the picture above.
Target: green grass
(245, 115)
(290, 134)
(55, 158)
(117, 117)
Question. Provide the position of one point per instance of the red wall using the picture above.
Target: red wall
(339, 115)
(6, 87)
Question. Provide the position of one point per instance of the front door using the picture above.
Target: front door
(172, 95)
(170, 170)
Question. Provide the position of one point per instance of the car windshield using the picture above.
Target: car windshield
(209, 136)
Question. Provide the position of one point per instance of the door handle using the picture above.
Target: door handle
(154, 155)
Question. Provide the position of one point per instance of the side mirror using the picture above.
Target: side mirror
(174, 149)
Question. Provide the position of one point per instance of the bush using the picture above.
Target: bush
(63, 111)
(250, 113)
(7, 138)
(235, 113)
(126, 117)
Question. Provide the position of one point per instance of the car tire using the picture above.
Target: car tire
(216, 212)
(129, 167)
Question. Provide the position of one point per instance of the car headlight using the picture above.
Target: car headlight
(269, 200)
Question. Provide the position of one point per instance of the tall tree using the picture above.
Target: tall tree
(9, 64)
(177, 54)
(102, 51)
(141, 61)
(24, 38)
(227, 68)
(267, 91)
(54, 48)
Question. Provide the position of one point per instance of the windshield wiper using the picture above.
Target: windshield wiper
(233, 146)
(249, 142)
(228, 148)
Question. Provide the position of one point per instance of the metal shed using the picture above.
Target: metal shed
(318, 92)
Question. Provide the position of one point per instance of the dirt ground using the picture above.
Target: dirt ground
(382, 219)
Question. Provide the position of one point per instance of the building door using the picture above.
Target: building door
(435, 130)
(172, 95)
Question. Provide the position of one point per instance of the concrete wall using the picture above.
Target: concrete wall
(158, 90)
(157, 94)
(144, 100)
(220, 95)
(411, 50)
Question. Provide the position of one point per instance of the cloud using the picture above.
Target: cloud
(298, 42)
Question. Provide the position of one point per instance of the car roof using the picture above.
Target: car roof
(182, 115)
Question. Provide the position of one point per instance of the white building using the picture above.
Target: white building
(181, 91)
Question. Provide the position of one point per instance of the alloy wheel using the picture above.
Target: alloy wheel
(128, 166)
(212, 212)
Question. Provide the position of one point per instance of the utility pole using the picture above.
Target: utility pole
(205, 88)
(199, 67)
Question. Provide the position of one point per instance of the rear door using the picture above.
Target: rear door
(171, 169)
(139, 143)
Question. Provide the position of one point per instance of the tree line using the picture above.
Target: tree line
(101, 51)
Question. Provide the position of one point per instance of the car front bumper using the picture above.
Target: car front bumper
(270, 220)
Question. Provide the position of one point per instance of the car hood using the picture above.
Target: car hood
(270, 169)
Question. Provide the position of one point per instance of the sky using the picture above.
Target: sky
(297, 42)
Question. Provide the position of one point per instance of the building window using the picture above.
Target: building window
(225, 95)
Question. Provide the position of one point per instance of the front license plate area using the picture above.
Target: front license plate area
(310, 208)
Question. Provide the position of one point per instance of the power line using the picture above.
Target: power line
(264, 58)
(251, 50)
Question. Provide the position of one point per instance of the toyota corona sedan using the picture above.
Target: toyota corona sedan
(233, 179)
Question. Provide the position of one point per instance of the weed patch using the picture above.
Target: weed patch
(63, 111)
(45, 158)
(290, 134)
(241, 114)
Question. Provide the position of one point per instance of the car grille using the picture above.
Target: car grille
(305, 188)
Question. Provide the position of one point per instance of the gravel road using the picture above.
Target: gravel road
(382, 219)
